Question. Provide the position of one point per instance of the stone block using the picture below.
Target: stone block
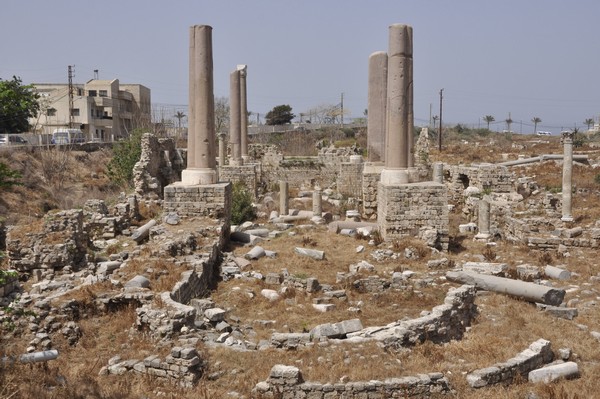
(215, 315)
(551, 373)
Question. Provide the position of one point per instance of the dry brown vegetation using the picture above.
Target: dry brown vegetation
(505, 326)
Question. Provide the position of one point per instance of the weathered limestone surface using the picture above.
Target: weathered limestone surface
(538, 354)
(212, 200)
(567, 191)
(350, 179)
(551, 373)
(287, 382)
(376, 116)
(183, 365)
(370, 180)
(201, 160)
(409, 208)
(160, 164)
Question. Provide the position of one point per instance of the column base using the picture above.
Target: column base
(482, 237)
(194, 177)
(394, 176)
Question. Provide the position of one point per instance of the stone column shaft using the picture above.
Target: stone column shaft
(222, 149)
(317, 203)
(234, 118)
(283, 198)
(484, 220)
(410, 135)
(376, 114)
(201, 130)
(243, 111)
(398, 94)
(567, 186)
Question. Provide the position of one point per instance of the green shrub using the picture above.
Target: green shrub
(126, 153)
(241, 207)
(8, 177)
(597, 178)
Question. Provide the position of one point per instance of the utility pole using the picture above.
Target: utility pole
(342, 109)
(440, 130)
(71, 73)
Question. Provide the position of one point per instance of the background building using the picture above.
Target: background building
(104, 110)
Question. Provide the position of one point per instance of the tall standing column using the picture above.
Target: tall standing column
(567, 187)
(398, 93)
(376, 111)
(201, 163)
(243, 111)
(410, 156)
(234, 118)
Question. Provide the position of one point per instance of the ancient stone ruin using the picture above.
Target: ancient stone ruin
(377, 204)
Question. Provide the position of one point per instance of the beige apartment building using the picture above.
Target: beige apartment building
(105, 110)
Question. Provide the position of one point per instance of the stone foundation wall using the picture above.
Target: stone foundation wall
(211, 200)
(485, 177)
(287, 382)
(245, 174)
(538, 354)
(416, 210)
(350, 179)
(182, 365)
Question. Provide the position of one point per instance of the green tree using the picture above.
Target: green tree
(18, 103)
(280, 115)
(535, 121)
(126, 153)
(488, 119)
(589, 122)
(8, 177)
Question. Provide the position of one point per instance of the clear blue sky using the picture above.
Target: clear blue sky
(527, 57)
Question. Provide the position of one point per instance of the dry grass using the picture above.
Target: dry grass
(505, 326)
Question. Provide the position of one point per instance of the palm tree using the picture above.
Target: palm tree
(435, 118)
(179, 115)
(488, 119)
(535, 121)
(508, 121)
(589, 122)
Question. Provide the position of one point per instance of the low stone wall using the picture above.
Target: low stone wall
(211, 200)
(244, 173)
(419, 209)
(538, 354)
(287, 382)
(197, 283)
(446, 322)
(182, 365)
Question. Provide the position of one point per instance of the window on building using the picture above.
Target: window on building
(79, 92)
(92, 93)
(75, 112)
(51, 112)
(103, 93)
